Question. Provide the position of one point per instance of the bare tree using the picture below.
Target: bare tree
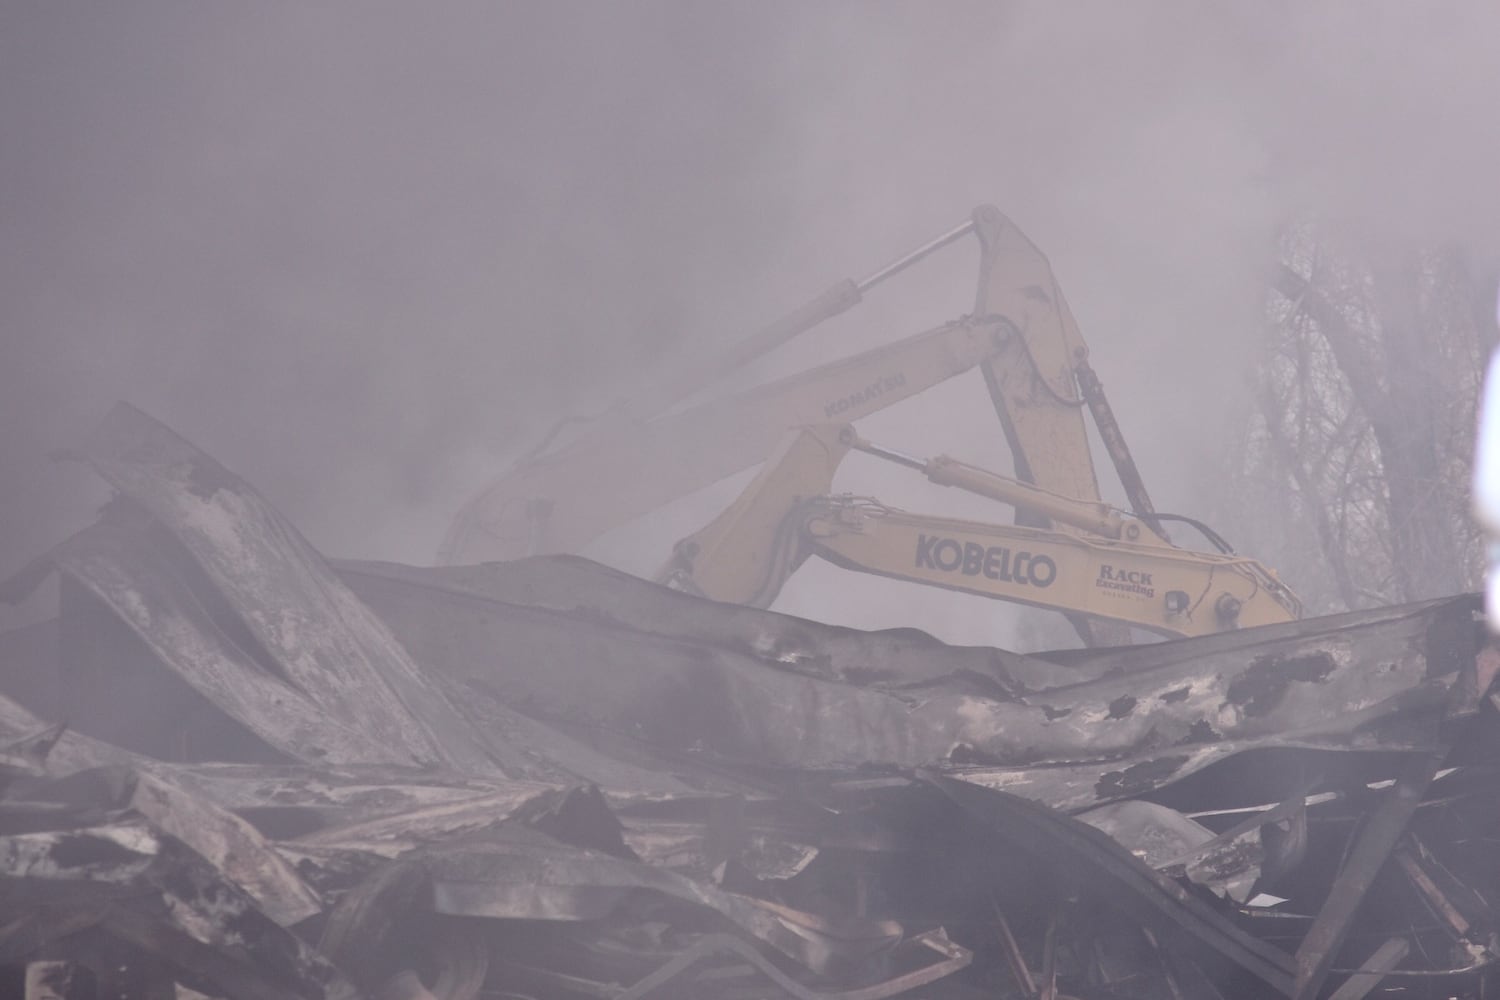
(1360, 440)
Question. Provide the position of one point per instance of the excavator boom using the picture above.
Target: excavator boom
(1174, 592)
(1121, 574)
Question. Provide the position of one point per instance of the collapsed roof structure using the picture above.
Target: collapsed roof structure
(235, 768)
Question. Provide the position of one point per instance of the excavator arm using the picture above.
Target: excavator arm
(1108, 565)
(1040, 379)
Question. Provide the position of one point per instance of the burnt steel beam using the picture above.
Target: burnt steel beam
(1093, 859)
(1372, 848)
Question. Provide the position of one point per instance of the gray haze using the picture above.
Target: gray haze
(361, 252)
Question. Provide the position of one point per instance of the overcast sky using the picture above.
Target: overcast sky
(360, 251)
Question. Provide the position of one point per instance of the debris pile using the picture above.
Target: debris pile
(286, 776)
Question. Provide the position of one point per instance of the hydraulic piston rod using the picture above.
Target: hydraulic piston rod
(1092, 516)
(842, 296)
(902, 263)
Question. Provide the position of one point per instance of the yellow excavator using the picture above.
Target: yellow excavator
(1066, 550)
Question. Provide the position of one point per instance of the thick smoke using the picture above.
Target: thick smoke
(362, 253)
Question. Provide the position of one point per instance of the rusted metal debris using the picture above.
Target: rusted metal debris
(233, 768)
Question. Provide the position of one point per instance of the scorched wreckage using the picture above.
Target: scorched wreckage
(235, 768)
